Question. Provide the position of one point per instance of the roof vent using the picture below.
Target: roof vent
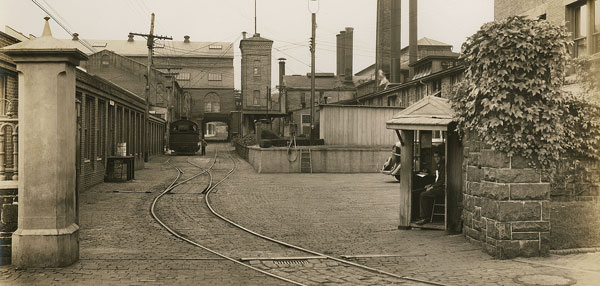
(130, 38)
(75, 37)
(244, 35)
(186, 39)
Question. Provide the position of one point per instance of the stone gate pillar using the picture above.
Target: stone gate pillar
(47, 234)
(506, 203)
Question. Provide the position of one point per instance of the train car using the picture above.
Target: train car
(184, 136)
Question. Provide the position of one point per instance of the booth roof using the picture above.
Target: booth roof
(429, 113)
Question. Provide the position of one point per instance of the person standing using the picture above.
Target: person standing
(203, 147)
(432, 191)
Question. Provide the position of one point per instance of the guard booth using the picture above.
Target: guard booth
(423, 128)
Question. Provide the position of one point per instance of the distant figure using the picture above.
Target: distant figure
(203, 142)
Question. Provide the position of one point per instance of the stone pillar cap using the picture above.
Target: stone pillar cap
(46, 47)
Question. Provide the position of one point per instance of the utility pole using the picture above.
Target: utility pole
(312, 75)
(150, 37)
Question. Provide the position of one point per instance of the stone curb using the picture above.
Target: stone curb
(574, 250)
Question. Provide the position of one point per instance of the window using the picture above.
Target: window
(303, 100)
(100, 129)
(256, 68)
(596, 18)
(585, 27)
(3, 95)
(305, 119)
(215, 47)
(212, 103)
(89, 127)
(215, 77)
(256, 97)
(183, 76)
(391, 100)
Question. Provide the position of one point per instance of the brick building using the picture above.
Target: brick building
(203, 70)
(257, 97)
(166, 96)
(8, 170)
(581, 17)
(435, 75)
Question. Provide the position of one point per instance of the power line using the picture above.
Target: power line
(83, 42)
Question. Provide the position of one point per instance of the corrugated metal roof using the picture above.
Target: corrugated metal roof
(429, 113)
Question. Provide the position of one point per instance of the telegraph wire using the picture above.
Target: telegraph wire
(83, 42)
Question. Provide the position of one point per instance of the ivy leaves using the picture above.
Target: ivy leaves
(511, 94)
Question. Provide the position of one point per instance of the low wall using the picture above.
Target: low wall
(506, 203)
(325, 159)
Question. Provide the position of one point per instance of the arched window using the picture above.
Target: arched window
(212, 103)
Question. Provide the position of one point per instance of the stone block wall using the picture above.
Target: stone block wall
(506, 203)
(8, 222)
(575, 204)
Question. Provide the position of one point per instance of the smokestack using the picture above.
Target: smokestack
(412, 35)
(339, 54)
(395, 74)
(281, 71)
(186, 39)
(243, 35)
(348, 46)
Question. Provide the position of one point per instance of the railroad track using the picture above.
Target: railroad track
(296, 259)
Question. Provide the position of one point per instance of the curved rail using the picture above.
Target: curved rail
(210, 187)
(207, 200)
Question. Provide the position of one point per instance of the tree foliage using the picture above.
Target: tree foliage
(511, 95)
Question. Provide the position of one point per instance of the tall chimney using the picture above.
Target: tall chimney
(339, 54)
(348, 46)
(395, 74)
(281, 71)
(412, 35)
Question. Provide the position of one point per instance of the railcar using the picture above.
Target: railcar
(184, 136)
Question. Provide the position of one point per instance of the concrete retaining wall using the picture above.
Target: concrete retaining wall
(325, 159)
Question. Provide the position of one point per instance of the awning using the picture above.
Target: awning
(429, 113)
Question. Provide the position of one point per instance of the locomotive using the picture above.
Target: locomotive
(184, 136)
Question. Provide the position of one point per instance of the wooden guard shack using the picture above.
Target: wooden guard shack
(423, 128)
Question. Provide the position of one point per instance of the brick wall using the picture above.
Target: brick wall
(554, 9)
(506, 203)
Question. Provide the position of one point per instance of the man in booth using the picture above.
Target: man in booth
(433, 190)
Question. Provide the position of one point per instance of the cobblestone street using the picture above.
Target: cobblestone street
(353, 216)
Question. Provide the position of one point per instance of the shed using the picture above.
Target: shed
(416, 128)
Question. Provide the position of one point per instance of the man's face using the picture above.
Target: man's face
(436, 158)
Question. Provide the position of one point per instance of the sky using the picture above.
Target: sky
(286, 22)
